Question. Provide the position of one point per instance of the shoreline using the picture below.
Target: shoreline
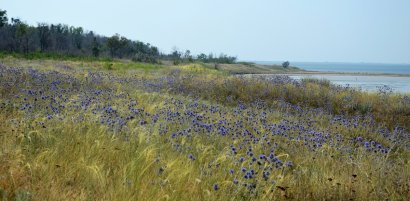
(306, 72)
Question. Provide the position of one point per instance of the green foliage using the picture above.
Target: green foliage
(363, 108)
(50, 55)
(77, 36)
(3, 194)
(285, 64)
(108, 66)
(44, 35)
(96, 48)
(19, 37)
(114, 44)
(321, 82)
(22, 196)
(222, 59)
(3, 18)
(176, 56)
(188, 57)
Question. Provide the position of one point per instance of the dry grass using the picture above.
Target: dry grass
(73, 156)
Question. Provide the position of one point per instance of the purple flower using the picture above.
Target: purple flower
(367, 144)
(289, 164)
(231, 171)
(235, 181)
(241, 159)
(243, 169)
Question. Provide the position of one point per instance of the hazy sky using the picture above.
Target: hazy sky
(295, 30)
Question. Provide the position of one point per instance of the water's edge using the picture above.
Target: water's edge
(400, 84)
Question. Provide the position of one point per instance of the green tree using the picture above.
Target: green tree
(176, 56)
(113, 44)
(285, 64)
(44, 34)
(17, 36)
(124, 47)
(3, 18)
(96, 47)
(202, 57)
(77, 33)
(22, 32)
(61, 34)
(188, 56)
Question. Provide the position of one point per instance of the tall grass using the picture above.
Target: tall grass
(389, 109)
(84, 132)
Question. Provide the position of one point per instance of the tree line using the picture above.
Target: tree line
(17, 36)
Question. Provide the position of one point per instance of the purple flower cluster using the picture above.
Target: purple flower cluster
(254, 141)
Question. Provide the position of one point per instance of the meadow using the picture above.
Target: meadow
(119, 130)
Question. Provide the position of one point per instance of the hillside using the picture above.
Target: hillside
(252, 68)
(120, 130)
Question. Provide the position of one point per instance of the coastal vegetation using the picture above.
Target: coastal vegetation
(89, 117)
(119, 130)
(62, 40)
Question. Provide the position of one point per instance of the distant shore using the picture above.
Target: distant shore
(346, 73)
(263, 69)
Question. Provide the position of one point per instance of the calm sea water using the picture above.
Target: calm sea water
(348, 67)
(370, 83)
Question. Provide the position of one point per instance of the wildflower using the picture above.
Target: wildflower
(235, 181)
(367, 144)
(241, 159)
(190, 156)
(289, 164)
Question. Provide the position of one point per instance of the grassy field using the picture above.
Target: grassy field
(252, 68)
(118, 130)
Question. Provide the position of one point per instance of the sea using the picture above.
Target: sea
(348, 67)
(370, 77)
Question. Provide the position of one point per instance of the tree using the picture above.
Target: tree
(176, 56)
(113, 43)
(77, 34)
(124, 47)
(22, 32)
(44, 35)
(3, 18)
(210, 57)
(119, 46)
(188, 56)
(61, 35)
(17, 36)
(202, 57)
(96, 47)
(285, 64)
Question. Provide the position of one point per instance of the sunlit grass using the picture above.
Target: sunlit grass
(141, 133)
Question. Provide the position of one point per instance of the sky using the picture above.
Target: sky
(375, 31)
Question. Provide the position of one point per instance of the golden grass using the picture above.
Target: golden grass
(72, 159)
